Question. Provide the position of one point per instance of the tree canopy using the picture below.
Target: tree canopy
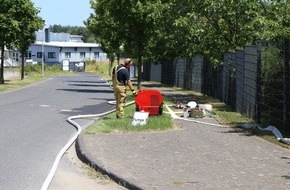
(166, 29)
(27, 25)
(18, 22)
(126, 24)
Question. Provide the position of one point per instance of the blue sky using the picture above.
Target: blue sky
(63, 12)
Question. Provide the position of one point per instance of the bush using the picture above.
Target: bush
(101, 68)
(54, 68)
(33, 69)
(37, 69)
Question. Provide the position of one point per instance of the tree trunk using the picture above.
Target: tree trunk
(118, 58)
(2, 65)
(111, 62)
(110, 66)
(139, 79)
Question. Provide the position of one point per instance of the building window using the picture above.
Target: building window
(82, 54)
(67, 55)
(15, 56)
(51, 55)
(97, 54)
(28, 55)
(39, 55)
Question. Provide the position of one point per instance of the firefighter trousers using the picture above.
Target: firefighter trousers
(120, 96)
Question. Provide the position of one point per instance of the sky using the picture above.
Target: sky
(63, 12)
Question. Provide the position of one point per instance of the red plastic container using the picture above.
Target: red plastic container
(149, 100)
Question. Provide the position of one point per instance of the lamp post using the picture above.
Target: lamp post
(42, 50)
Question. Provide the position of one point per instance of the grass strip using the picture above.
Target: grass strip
(109, 123)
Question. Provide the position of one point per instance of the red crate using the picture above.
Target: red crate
(149, 100)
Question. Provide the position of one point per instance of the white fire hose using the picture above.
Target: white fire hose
(173, 115)
(72, 140)
(270, 128)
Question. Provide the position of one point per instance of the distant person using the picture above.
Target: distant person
(120, 79)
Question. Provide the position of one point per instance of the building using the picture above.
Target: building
(61, 48)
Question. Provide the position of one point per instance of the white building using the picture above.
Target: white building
(61, 48)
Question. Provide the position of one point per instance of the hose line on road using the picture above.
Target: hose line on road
(270, 128)
(173, 115)
(79, 130)
(72, 140)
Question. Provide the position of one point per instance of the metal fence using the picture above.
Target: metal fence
(273, 104)
(239, 81)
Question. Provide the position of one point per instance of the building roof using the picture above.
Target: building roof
(67, 44)
(51, 39)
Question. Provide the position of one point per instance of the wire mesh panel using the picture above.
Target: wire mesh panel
(196, 74)
(229, 78)
(180, 66)
(275, 92)
(240, 81)
(250, 80)
(146, 74)
(168, 72)
(155, 71)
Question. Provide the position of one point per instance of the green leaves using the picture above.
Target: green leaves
(275, 19)
(18, 22)
(18, 19)
(166, 29)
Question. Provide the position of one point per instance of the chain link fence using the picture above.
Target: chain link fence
(253, 81)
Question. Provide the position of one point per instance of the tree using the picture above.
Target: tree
(219, 26)
(129, 25)
(8, 29)
(204, 28)
(105, 32)
(27, 25)
(17, 27)
(104, 28)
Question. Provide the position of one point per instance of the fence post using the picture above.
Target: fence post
(286, 85)
(205, 77)
(259, 82)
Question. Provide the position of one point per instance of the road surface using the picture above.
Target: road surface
(34, 127)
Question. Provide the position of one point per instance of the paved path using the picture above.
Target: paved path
(193, 156)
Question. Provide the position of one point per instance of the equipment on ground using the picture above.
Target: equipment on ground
(149, 100)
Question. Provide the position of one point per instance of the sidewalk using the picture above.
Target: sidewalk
(192, 156)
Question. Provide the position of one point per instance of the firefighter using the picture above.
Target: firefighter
(121, 79)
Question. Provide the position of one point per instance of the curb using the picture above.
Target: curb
(88, 159)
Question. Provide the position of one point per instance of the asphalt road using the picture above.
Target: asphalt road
(34, 128)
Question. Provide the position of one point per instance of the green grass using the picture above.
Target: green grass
(101, 68)
(231, 118)
(14, 84)
(222, 113)
(109, 123)
(33, 75)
